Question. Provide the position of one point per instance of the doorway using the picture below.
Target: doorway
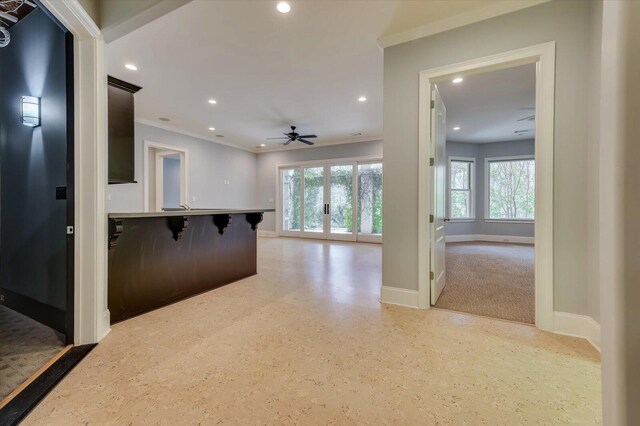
(433, 174)
(485, 173)
(338, 200)
(36, 196)
(166, 177)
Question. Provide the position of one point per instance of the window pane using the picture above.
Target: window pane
(342, 199)
(512, 189)
(460, 173)
(291, 200)
(370, 198)
(460, 204)
(314, 199)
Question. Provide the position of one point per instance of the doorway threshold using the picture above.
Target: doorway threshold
(17, 405)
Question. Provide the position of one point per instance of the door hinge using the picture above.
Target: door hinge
(431, 276)
(69, 230)
(430, 218)
(433, 104)
(432, 161)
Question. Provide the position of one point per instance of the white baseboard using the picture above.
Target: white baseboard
(399, 296)
(270, 234)
(577, 326)
(490, 238)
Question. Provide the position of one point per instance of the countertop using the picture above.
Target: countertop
(193, 212)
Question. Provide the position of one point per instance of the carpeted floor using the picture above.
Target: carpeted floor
(26, 346)
(490, 279)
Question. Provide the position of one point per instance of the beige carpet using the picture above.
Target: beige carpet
(490, 279)
(25, 346)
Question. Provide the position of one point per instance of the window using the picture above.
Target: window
(510, 183)
(370, 198)
(291, 200)
(461, 188)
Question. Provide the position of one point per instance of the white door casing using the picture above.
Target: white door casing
(152, 166)
(439, 195)
(543, 55)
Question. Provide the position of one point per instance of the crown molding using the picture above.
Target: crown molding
(460, 20)
(252, 150)
(191, 134)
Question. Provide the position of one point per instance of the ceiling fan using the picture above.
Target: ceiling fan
(293, 136)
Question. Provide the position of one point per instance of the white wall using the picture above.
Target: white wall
(480, 152)
(210, 164)
(268, 162)
(619, 228)
(593, 159)
(568, 23)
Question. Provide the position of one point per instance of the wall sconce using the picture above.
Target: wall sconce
(30, 111)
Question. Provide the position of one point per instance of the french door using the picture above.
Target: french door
(321, 201)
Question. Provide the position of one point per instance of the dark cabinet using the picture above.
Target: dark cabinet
(121, 131)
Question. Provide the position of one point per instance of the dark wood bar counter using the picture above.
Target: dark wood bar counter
(159, 258)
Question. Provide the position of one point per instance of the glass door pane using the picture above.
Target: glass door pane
(291, 216)
(370, 199)
(341, 200)
(314, 207)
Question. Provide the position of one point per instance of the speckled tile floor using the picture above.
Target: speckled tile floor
(307, 342)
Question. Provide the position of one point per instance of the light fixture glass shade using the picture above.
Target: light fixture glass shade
(30, 111)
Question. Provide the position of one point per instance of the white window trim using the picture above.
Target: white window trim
(472, 190)
(488, 160)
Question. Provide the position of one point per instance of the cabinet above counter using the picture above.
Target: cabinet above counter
(121, 126)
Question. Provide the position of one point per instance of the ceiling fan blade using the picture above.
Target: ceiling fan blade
(307, 136)
(277, 138)
(304, 141)
(287, 142)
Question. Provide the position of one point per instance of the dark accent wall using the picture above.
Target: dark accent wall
(33, 162)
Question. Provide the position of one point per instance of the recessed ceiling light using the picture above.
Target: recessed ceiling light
(212, 128)
(262, 145)
(362, 99)
(283, 7)
(219, 136)
(457, 80)
(456, 128)
(131, 67)
(213, 101)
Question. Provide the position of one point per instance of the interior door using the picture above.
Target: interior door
(314, 206)
(438, 202)
(341, 213)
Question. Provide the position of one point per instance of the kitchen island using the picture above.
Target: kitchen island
(159, 258)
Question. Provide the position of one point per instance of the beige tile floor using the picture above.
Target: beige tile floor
(307, 342)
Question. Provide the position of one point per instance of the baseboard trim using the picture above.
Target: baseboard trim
(268, 234)
(489, 238)
(577, 326)
(45, 314)
(399, 296)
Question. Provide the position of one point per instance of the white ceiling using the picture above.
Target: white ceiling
(487, 106)
(268, 70)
